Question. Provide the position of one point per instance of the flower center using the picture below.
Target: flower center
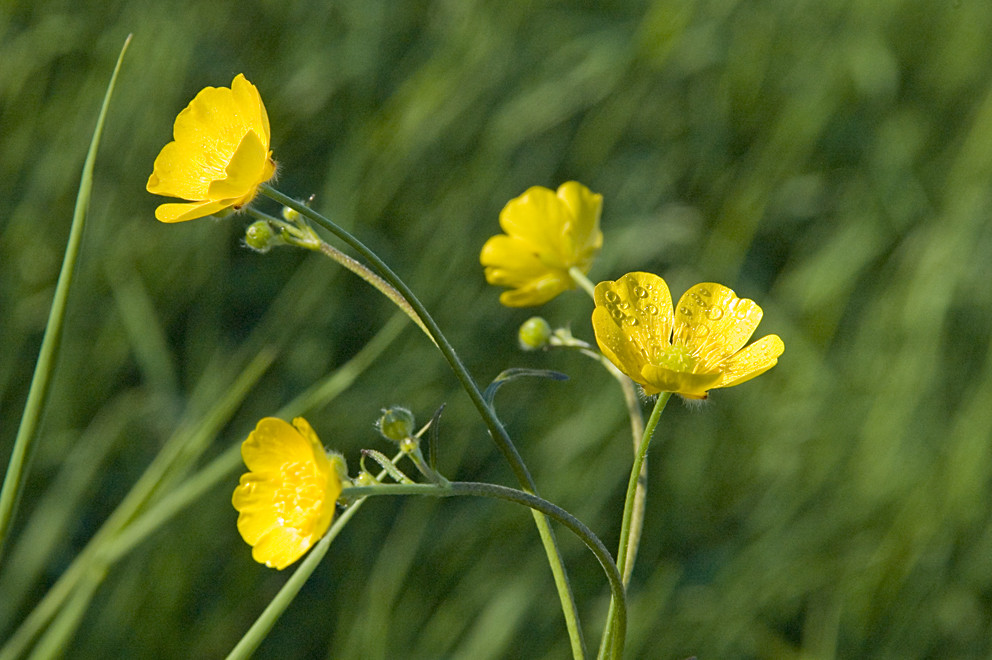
(675, 358)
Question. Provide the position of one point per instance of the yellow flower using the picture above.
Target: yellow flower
(547, 233)
(286, 503)
(220, 154)
(696, 349)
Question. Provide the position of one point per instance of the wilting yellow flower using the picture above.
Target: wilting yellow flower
(286, 503)
(220, 154)
(546, 234)
(689, 350)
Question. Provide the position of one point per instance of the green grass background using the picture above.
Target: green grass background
(830, 159)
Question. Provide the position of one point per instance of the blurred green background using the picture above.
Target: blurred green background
(831, 160)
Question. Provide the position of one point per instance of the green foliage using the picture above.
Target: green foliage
(832, 161)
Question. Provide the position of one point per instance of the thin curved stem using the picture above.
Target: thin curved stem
(496, 430)
(476, 489)
(301, 235)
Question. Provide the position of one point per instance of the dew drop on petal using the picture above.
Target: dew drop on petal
(714, 314)
(685, 311)
(651, 309)
(611, 296)
(640, 292)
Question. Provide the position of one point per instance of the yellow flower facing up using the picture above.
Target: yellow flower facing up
(689, 350)
(547, 233)
(286, 502)
(219, 156)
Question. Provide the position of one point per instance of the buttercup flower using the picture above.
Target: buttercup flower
(547, 233)
(696, 347)
(286, 502)
(220, 154)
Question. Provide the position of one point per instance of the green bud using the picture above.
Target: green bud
(260, 236)
(365, 479)
(290, 215)
(396, 424)
(534, 333)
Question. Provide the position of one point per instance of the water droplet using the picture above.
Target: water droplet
(640, 292)
(616, 313)
(631, 320)
(685, 311)
(625, 305)
(714, 314)
(651, 309)
(705, 292)
(612, 296)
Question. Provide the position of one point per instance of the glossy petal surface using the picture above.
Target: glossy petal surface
(219, 154)
(546, 233)
(689, 350)
(286, 501)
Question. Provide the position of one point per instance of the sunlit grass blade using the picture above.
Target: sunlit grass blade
(38, 392)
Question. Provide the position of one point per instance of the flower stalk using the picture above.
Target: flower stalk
(496, 429)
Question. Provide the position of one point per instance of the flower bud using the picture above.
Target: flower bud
(261, 237)
(290, 215)
(534, 333)
(396, 424)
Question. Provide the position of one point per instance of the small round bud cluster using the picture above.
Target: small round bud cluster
(534, 333)
(396, 424)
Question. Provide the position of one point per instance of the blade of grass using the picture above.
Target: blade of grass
(24, 444)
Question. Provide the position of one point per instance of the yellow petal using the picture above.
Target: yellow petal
(693, 385)
(252, 110)
(176, 212)
(582, 235)
(510, 261)
(753, 361)
(539, 218)
(633, 321)
(243, 173)
(280, 547)
(713, 322)
(175, 174)
(273, 443)
(323, 464)
(535, 292)
(255, 500)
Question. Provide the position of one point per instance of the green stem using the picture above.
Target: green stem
(611, 629)
(38, 391)
(496, 430)
(304, 237)
(580, 278)
(263, 624)
(564, 339)
(476, 489)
